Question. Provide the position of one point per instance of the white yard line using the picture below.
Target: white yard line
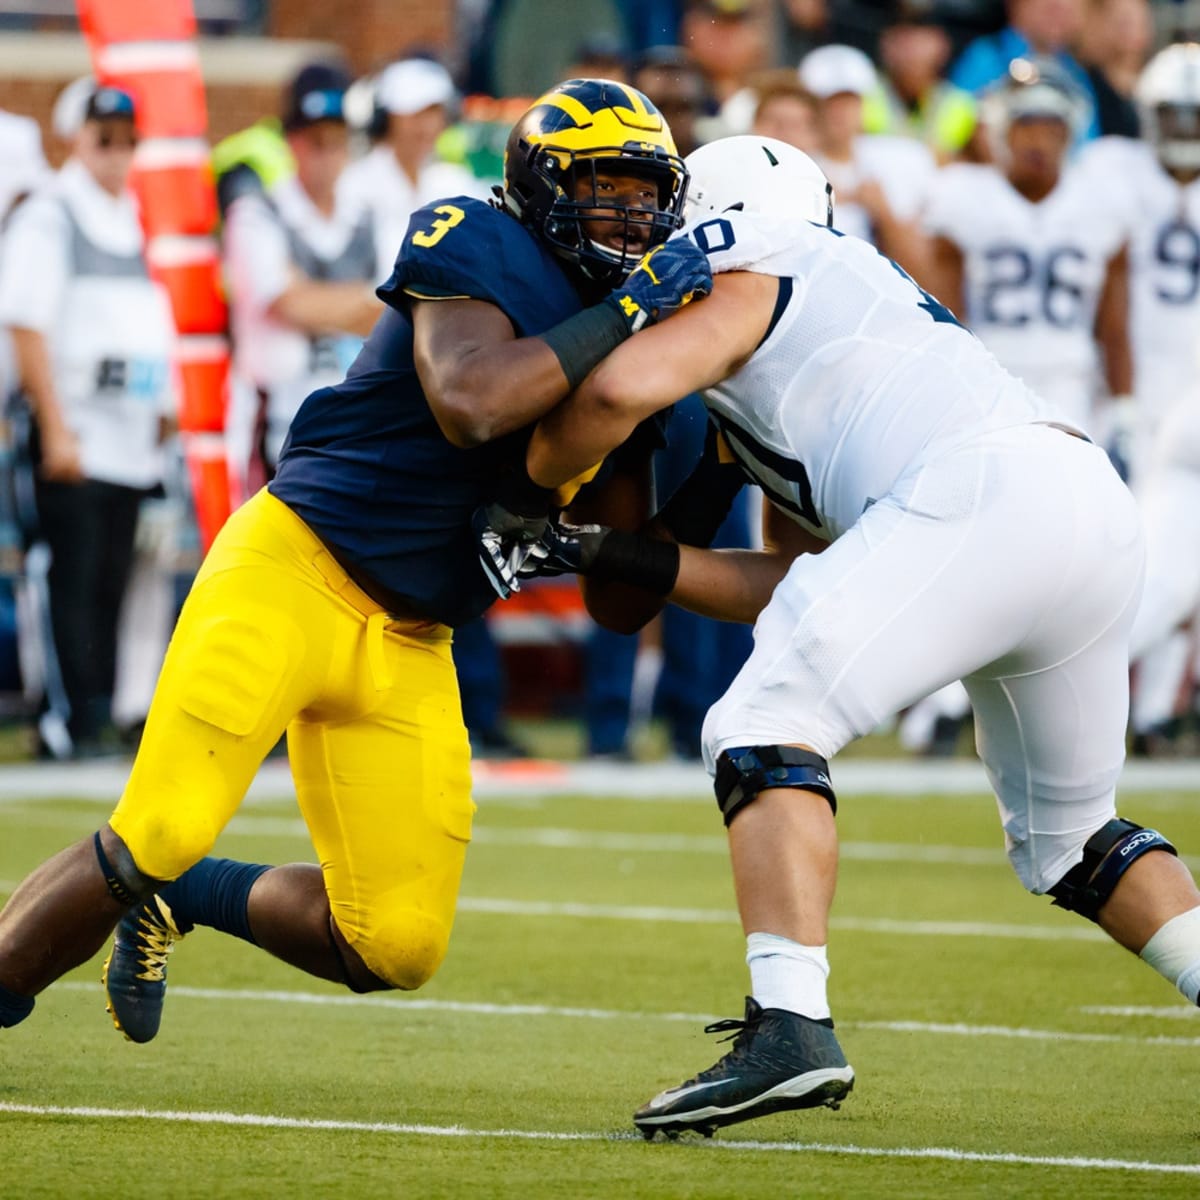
(1169, 1012)
(266, 1121)
(721, 916)
(545, 837)
(912, 778)
(483, 1009)
(502, 906)
(37, 815)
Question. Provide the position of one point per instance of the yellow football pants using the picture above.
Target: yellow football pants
(274, 636)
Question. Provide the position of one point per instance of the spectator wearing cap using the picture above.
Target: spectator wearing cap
(881, 183)
(93, 338)
(1036, 28)
(912, 98)
(400, 174)
(300, 260)
(729, 39)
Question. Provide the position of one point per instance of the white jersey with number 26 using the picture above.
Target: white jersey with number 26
(1033, 274)
(861, 375)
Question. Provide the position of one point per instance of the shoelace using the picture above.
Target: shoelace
(157, 942)
(734, 1026)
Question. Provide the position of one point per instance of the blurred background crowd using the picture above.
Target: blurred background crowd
(994, 148)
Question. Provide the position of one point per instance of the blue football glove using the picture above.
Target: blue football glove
(666, 278)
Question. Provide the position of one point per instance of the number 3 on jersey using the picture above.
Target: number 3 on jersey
(448, 217)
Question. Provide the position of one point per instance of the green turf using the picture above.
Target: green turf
(971, 1091)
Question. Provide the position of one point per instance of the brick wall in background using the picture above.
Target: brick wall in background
(370, 31)
(230, 106)
(244, 77)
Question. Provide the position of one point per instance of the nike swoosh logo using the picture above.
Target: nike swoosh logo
(665, 1098)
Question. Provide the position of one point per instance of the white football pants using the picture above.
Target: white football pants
(1013, 563)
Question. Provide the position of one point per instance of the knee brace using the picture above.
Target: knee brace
(126, 884)
(1107, 855)
(745, 771)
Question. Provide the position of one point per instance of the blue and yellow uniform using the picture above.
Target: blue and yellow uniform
(325, 607)
(365, 465)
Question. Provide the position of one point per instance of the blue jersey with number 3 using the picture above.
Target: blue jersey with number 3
(365, 465)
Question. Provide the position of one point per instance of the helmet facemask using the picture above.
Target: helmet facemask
(577, 132)
(1174, 130)
(637, 229)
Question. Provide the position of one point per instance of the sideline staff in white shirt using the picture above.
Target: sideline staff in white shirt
(93, 338)
(400, 175)
(300, 261)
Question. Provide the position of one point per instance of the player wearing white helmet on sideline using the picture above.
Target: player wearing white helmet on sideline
(1159, 181)
(1042, 280)
(1027, 252)
(963, 537)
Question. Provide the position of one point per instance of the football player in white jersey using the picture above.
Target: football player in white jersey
(1030, 255)
(964, 536)
(1160, 182)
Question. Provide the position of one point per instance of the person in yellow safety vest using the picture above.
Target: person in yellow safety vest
(254, 158)
(913, 98)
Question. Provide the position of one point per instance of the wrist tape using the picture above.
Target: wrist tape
(584, 340)
(637, 559)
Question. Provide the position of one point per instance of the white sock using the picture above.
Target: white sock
(1174, 952)
(784, 974)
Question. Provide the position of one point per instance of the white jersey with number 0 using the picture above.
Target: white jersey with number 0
(862, 374)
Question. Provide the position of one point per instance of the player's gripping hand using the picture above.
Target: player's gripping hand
(612, 555)
(666, 278)
(509, 527)
(564, 550)
(504, 540)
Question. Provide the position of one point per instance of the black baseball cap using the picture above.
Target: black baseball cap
(316, 94)
(109, 103)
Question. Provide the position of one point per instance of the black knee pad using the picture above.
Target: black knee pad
(1107, 855)
(745, 771)
(126, 884)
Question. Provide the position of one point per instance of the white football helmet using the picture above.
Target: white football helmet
(1168, 99)
(1034, 88)
(757, 175)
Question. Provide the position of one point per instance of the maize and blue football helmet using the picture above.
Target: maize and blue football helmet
(578, 130)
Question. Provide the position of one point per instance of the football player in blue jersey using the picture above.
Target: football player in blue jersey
(326, 605)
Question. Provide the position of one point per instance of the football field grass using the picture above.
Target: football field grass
(1003, 1048)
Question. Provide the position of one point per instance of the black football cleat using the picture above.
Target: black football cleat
(135, 973)
(780, 1060)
